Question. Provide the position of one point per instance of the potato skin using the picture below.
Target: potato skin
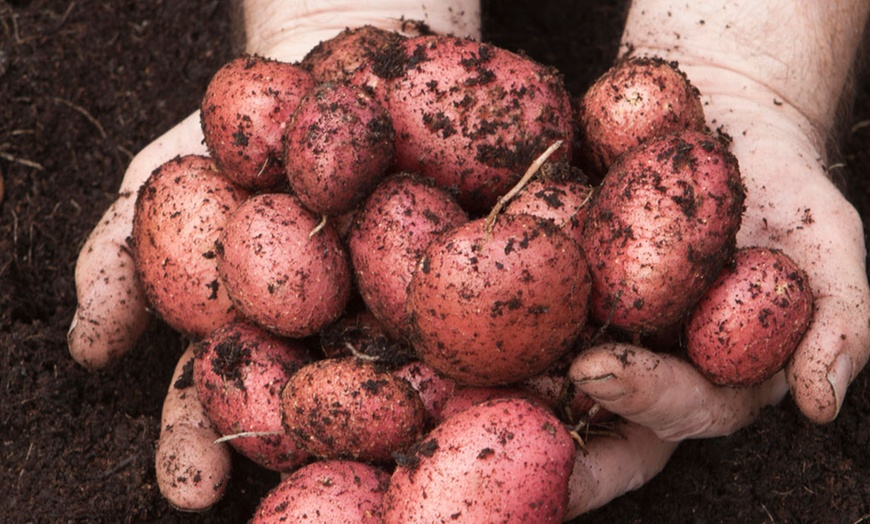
(339, 58)
(495, 308)
(239, 371)
(278, 276)
(434, 389)
(388, 236)
(244, 111)
(747, 325)
(660, 228)
(337, 147)
(181, 211)
(327, 492)
(637, 99)
(564, 202)
(505, 460)
(469, 115)
(347, 408)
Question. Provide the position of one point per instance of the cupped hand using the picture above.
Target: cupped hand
(112, 308)
(791, 205)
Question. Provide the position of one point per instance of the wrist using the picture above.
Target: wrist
(287, 30)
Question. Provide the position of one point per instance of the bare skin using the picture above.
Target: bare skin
(759, 86)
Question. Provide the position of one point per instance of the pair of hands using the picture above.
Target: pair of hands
(791, 205)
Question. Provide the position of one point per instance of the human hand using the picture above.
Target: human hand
(112, 308)
(777, 120)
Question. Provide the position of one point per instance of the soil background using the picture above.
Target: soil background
(84, 84)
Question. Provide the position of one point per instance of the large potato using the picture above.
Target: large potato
(348, 408)
(496, 307)
(278, 273)
(502, 461)
(470, 115)
(660, 228)
(326, 492)
(180, 213)
(239, 371)
(751, 320)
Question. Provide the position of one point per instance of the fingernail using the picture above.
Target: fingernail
(839, 376)
(73, 324)
(605, 388)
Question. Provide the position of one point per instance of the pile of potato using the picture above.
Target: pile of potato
(396, 247)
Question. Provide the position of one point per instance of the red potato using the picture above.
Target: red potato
(469, 115)
(181, 211)
(564, 202)
(277, 273)
(506, 460)
(434, 389)
(245, 109)
(639, 98)
(660, 228)
(337, 147)
(348, 408)
(751, 320)
(495, 307)
(326, 492)
(339, 58)
(239, 371)
(388, 236)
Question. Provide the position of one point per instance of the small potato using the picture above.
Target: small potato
(502, 461)
(752, 318)
(639, 98)
(239, 371)
(494, 307)
(388, 236)
(347, 408)
(660, 228)
(326, 492)
(337, 147)
(470, 115)
(245, 109)
(181, 211)
(277, 273)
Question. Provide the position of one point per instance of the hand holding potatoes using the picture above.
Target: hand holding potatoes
(618, 374)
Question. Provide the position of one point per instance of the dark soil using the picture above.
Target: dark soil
(85, 84)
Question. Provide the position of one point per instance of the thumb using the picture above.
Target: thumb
(111, 314)
(667, 394)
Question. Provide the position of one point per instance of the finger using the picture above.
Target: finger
(111, 314)
(666, 393)
(192, 470)
(611, 466)
(832, 352)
